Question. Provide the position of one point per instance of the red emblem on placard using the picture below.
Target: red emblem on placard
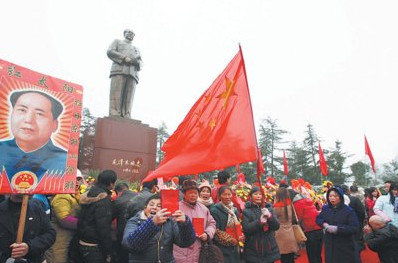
(24, 181)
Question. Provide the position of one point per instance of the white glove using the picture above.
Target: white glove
(263, 219)
(266, 212)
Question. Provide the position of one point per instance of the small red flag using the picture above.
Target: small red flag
(285, 167)
(369, 153)
(322, 162)
(217, 132)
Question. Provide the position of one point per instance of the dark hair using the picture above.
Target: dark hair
(254, 190)
(56, 106)
(393, 186)
(151, 184)
(222, 190)
(388, 182)
(223, 176)
(106, 178)
(282, 195)
(121, 186)
(369, 191)
(154, 196)
(354, 188)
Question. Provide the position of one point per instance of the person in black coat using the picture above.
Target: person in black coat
(95, 219)
(383, 239)
(138, 202)
(259, 225)
(359, 209)
(39, 235)
(226, 217)
(340, 224)
(119, 211)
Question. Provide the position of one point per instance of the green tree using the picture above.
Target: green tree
(86, 139)
(336, 160)
(297, 160)
(250, 171)
(390, 171)
(163, 135)
(310, 145)
(270, 142)
(88, 122)
(360, 172)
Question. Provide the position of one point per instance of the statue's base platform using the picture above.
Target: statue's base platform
(126, 146)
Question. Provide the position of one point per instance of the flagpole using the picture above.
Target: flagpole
(254, 130)
(247, 84)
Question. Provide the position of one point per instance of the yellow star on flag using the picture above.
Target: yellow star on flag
(212, 124)
(207, 99)
(229, 91)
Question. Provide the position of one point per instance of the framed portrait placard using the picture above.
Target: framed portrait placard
(40, 120)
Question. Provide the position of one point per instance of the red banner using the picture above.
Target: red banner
(368, 152)
(39, 131)
(285, 167)
(322, 162)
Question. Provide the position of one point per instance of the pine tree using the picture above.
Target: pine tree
(297, 160)
(163, 135)
(310, 145)
(360, 172)
(270, 142)
(390, 171)
(336, 159)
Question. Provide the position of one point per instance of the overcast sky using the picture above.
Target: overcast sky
(333, 64)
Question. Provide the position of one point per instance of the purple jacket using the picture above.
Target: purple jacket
(191, 253)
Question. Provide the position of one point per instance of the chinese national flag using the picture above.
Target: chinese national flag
(322, 162)
(217, 132)
(285, 167)
(369, 153)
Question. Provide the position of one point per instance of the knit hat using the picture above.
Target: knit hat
(205, 183)
(189, 184)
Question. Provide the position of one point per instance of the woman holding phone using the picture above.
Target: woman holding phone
(150, 235)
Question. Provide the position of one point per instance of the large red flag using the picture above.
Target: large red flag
(369, 153)
(285, 167)
(217, 132)
(322, 162)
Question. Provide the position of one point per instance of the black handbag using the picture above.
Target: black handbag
(210, 253)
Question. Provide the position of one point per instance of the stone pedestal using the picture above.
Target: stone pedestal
(124, 145)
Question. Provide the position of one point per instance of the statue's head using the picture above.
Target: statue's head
(129, 34)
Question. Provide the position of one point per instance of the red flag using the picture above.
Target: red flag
(369, 153)
(322, 162)
(285, 167)
(217, 132)
(260, 164)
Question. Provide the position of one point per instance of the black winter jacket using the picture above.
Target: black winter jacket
(384, 241)
(119, 211)
(340, 247)
(221, 217)
(38, 234)
(95, 219)
(260, 246)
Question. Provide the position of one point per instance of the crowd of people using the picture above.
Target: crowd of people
(224, 221)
